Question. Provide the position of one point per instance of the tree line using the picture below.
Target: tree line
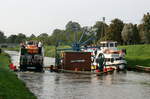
(117, 30)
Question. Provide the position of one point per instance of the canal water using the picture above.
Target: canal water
(122, 85)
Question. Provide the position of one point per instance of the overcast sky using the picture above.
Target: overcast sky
(43, 16)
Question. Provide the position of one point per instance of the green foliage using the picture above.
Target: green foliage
(21, 37)
(146, 22)
(4, 60)
(12, 48)
(43, 38)
(137, 55)
(71, 29)
(136, 35)
(114, 31)
(141, 32)
(10, 86)
(12, 39)
(58, 35)
(32, 36)
(50, 50)
(2, 37)
(68, 36)
(101, 29)
(73, 26)
(16, 38)
(127, 33)
(144, 29)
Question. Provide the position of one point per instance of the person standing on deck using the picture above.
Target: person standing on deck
(40, 47)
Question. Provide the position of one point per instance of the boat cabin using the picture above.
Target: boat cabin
(108, 45)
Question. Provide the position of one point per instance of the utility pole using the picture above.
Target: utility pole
(104, 19)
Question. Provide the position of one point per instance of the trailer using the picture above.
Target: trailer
(76, 61)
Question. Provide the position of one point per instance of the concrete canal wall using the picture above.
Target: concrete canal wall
(143, 68)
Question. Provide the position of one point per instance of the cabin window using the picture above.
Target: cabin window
(115, 44)
(111, 45)
(106, 44)
(112, 60)
(107, 59)
(118, 59)
(122, 58)
(103, 45)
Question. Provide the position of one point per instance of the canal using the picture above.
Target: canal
(122, 85)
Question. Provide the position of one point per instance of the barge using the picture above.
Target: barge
(31, 56)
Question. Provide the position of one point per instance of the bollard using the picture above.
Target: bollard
(51, 68)
(0, 50)
(12, 67)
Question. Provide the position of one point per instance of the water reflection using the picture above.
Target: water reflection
(73, 86)
(34, 81)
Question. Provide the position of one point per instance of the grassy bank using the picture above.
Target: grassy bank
(10, 86)
(12, 48)
(138, 55)
(50, 50)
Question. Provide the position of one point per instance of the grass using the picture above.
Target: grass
(50, 50)
(137, 55)
(10, 86)
(4, 60)
(12, 48)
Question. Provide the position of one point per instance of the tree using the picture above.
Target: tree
(43, 38)
(127, 33)
(114, 31)
(73, 32)
(2, 37)
(58, 35)
(101, 29)
(20, 38)
(32, 36)
(136, 36)
(74, 26)
(146, 28)
(71, 29)
(141, 33)
(43, 35)
(12, 39)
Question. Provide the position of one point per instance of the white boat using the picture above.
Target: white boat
(114, 58)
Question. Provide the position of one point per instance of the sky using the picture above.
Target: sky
(43, 16)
